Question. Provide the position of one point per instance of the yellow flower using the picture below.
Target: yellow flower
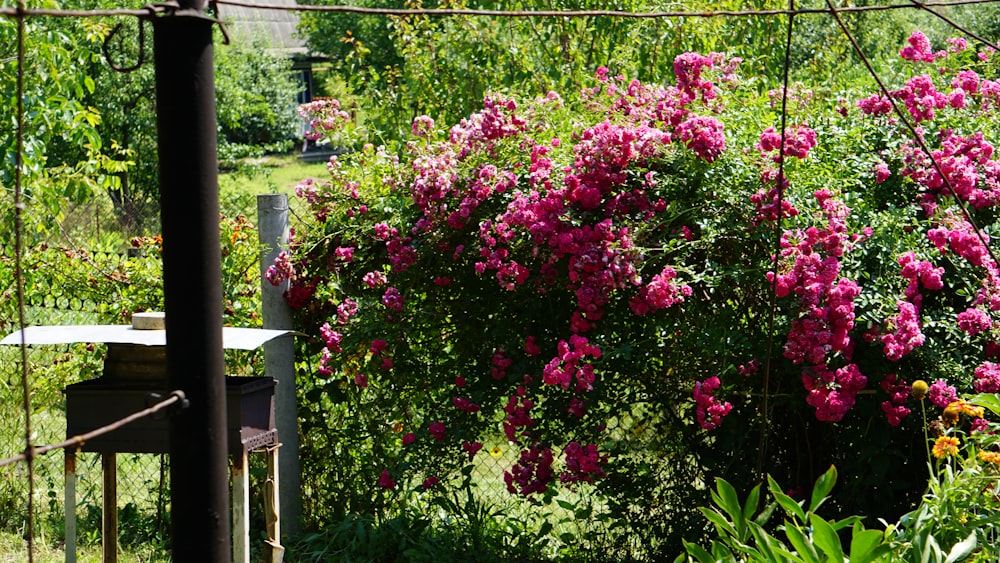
(496, 451)
(945, 446)
(990, 457)
(919, 389)
(955, 408)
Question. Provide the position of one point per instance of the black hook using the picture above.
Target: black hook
(106, 49)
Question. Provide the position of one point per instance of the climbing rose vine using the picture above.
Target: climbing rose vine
(538, 273)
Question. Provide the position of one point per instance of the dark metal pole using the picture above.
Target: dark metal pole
(192, 283)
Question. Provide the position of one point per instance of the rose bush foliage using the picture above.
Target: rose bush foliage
(638, 284)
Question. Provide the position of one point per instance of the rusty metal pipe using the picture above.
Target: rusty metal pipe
(192, 283)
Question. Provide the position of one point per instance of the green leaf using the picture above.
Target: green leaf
(989, 401)
(826, 538)
(962, 549)
(822, 488)
(750, 508)
(864, 544)
(791, 507)
(698, 552)
(768, 544)
(729, 501)
(801, 543)
(721, 524)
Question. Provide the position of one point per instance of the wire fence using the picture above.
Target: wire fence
(144, 490)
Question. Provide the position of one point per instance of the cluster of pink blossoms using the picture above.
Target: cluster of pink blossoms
(907, 335)
(325, 117)
(895, 408)
(709, 410)
(919, 49)
(569, 225)
(659, 293)
(967, 167)
(583, 463)
(987, 378)
(569, 366)
(799, 140)
(532, 473)
(826, 305)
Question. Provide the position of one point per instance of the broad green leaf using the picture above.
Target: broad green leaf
(864, 544)
(962, 549)
(822, 488)
(989, 401)
(791, 507)
(765, 542)
(801, 543)
(723, 526)
(730, 502)
(750, 508)
(826, 538)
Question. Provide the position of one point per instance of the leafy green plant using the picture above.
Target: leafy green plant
(744, 535)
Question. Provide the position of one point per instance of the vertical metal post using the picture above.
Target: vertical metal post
(279, 356)
(109, 511)
(192, 282)
(69, 471)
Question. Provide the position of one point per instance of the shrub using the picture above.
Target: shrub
(604, 281)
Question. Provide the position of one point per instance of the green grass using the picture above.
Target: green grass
(13, 549)
(238, 190)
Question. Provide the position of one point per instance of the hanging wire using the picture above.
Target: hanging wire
(773, 296)
(581, 13)
(174, 397)
(168, 6)
(918, 138)
(29, 454)
(924, 6)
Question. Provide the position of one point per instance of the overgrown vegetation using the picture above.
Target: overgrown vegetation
(548, 277)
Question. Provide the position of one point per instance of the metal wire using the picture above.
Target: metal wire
(904, 119)
(29, 455)
(773, 297)
(163, 7)
(80, 439)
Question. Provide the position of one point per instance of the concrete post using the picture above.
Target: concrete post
(279, 358)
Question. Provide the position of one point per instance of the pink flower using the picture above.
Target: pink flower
(919, 49)
(703, 135)
(583, 463)
(941, 394)
(385, 480)
(392, 299)
(464, 404)
(409, 438)
(377, 346)
(709, 411)
(430, 482)
(422, 126)
(987, 378)
(532, 473)
(882, 173)
(374, 279)
(360, 380)
(436, 430)
(973, 321)
(472, 448)
(531, 347)
(346, 253)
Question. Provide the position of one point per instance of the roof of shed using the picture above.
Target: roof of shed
(277, 26)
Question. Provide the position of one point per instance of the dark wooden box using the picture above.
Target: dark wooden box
(99, 402)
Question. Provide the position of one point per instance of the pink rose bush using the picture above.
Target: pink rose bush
(562, 273)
